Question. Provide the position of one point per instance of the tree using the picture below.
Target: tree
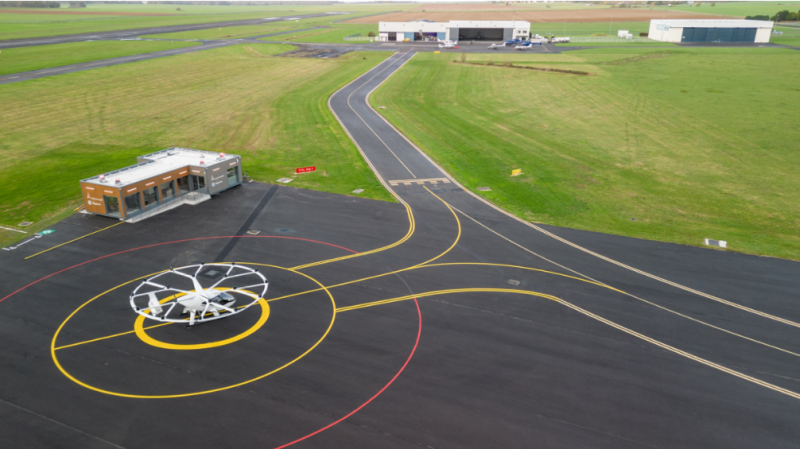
(713, 4)
(781, 16)
(371, 34)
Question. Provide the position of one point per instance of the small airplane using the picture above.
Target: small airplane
(511, 42)
(448, 44)
(527, 45)
(495, 46)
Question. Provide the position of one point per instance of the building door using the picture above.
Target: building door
(392, 36)
(183, 185)
(133, 204)
(150, 196)
(167, 191)
(233, 177)
(112, 205)
(197, 182)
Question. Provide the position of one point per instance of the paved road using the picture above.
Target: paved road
(322, 50)
(452, 325)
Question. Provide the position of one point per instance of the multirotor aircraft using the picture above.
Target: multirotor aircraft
(200, 304)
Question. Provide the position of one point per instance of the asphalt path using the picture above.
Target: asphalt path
(321, 49)
(437, 321)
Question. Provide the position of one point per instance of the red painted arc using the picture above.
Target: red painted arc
(413, 350)
(168, 243)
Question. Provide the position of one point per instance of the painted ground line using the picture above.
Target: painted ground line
(74, 240)
(370, 128)
(413, 350)
(626, 293)
(590, 315)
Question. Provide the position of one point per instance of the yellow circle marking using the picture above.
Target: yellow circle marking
(196, 393)
(138, 326)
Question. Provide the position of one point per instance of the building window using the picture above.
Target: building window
(167, 191)
(150, 196)
(183, 185)
(133, 204)
(112, 205)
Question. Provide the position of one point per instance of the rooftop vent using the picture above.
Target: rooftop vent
(117, 181)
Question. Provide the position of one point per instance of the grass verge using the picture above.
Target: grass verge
(24, 59)
(674, 145)
(272, 111)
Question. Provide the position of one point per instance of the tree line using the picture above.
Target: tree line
(30, 4)
(781, 16)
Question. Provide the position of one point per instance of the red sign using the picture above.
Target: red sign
(305, 169)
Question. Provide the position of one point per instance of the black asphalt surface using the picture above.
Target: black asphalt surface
(520, 335)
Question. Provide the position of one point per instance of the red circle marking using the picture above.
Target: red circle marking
(413, 350)
(168, 243)
(419, 332)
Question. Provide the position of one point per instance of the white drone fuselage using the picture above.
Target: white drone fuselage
(197, 302)
(201, 301)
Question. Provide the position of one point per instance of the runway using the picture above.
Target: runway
(437, 321)
(127, 34)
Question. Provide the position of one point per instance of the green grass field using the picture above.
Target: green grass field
(23, 59)
(692, 143)
(740, 9)
(227, 32)
(589, 28)
(272, 111)
(274, 27)
(45, 28)
(335, 34)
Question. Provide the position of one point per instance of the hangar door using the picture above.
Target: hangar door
(480, 34)
(719, 35)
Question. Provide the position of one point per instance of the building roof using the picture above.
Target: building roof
(158, 163)
(488, 23)
(703, 23)
(427, 25)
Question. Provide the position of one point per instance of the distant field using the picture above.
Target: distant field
(535, 16)
(227, 32)
(272, 111)
(271, 27)
(239, 9)
(740, 9)
(589, 28)
(488, 6)
(691, 143)
(39, 29)
(14, 60)
(335, 34)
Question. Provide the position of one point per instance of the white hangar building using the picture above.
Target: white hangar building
(755, 31)
(454, 30)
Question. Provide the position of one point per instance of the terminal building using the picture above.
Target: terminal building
(454, 30)
(161, 181)
(745, 31)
